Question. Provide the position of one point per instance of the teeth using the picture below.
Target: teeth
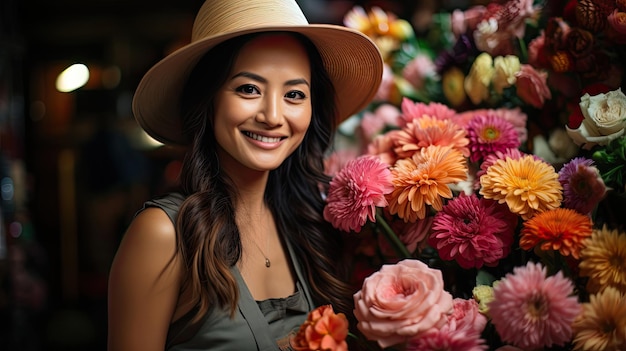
(262, 138)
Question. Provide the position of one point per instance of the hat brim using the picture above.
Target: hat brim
(352, 60)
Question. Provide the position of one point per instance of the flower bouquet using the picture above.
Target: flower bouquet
(483, 184)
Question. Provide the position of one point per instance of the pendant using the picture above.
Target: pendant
(267, 262)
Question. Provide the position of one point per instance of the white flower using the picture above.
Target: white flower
(605, 119)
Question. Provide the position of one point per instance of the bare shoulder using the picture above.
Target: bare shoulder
(144, 283)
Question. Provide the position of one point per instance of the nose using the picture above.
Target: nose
(271, 112)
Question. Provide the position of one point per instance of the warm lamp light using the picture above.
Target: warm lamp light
(72, 78)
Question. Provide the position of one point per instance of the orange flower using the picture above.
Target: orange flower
(561, 229)
(423, 180)
(603, 260)
(527, 185)
(426, 130)
(322, 331)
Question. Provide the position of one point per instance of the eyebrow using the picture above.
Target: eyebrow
(263, 80)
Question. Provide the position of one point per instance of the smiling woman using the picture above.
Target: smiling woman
(264, 110)
(238, 257)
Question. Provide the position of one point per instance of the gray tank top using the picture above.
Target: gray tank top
(257, 325)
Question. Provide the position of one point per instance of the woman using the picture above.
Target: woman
(238, 258)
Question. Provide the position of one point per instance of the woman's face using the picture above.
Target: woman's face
(263, 110)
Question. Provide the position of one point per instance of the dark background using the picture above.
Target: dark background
(74, 167)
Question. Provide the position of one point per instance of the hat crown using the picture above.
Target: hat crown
(217, 17)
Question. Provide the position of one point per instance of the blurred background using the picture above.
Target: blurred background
(74, 166)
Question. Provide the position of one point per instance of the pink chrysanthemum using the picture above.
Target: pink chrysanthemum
(514, 116)
(424, 180)
(412, 110)
(531, 310)
(583, 186)
(356, 191)
(488, 134)
(426, 131)
(473, 231)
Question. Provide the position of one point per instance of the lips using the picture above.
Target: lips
(261, 138)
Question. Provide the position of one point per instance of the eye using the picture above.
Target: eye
(295, 95)
(248, 89)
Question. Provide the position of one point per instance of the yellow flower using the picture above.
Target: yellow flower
(602, 324)
(478, 80)
(483, 294)
(452, 85)
(505, 68)
(527, 185)
(423, 180)
(603, 260)
(384, 28)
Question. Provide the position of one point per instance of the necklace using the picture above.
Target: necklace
(264, 229)
(268, 263)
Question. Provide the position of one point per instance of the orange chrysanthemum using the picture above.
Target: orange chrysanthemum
(527, 185)
(323, 330)
(602, 324)
(423, 180)
(425, 131)
(561, 229)
(603, 260)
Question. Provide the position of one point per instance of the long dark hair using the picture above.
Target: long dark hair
(208, 239)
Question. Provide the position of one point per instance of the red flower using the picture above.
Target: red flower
(322, 331)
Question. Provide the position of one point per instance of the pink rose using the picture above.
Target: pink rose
(532, 87)
(401, 301)
(466, 316)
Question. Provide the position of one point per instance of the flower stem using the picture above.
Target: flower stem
(393, 239)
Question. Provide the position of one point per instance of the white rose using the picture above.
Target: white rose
(605, 119)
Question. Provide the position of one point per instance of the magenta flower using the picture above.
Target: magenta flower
(533, 311)
(489, 133)
(583, 186)
(356, 191)
(473, 231)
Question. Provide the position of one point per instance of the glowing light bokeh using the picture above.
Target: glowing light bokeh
(72, 78)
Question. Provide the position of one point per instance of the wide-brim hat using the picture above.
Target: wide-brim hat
(352, 60)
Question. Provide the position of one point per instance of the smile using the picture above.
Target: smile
(261, 138)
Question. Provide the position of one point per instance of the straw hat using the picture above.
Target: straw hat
(351, 59)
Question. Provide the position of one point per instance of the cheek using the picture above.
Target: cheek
(301, 121)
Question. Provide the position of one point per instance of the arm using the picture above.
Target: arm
(144, 284)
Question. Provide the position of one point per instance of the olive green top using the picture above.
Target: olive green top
(257, 325)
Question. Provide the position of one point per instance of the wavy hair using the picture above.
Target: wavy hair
(208, 239)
